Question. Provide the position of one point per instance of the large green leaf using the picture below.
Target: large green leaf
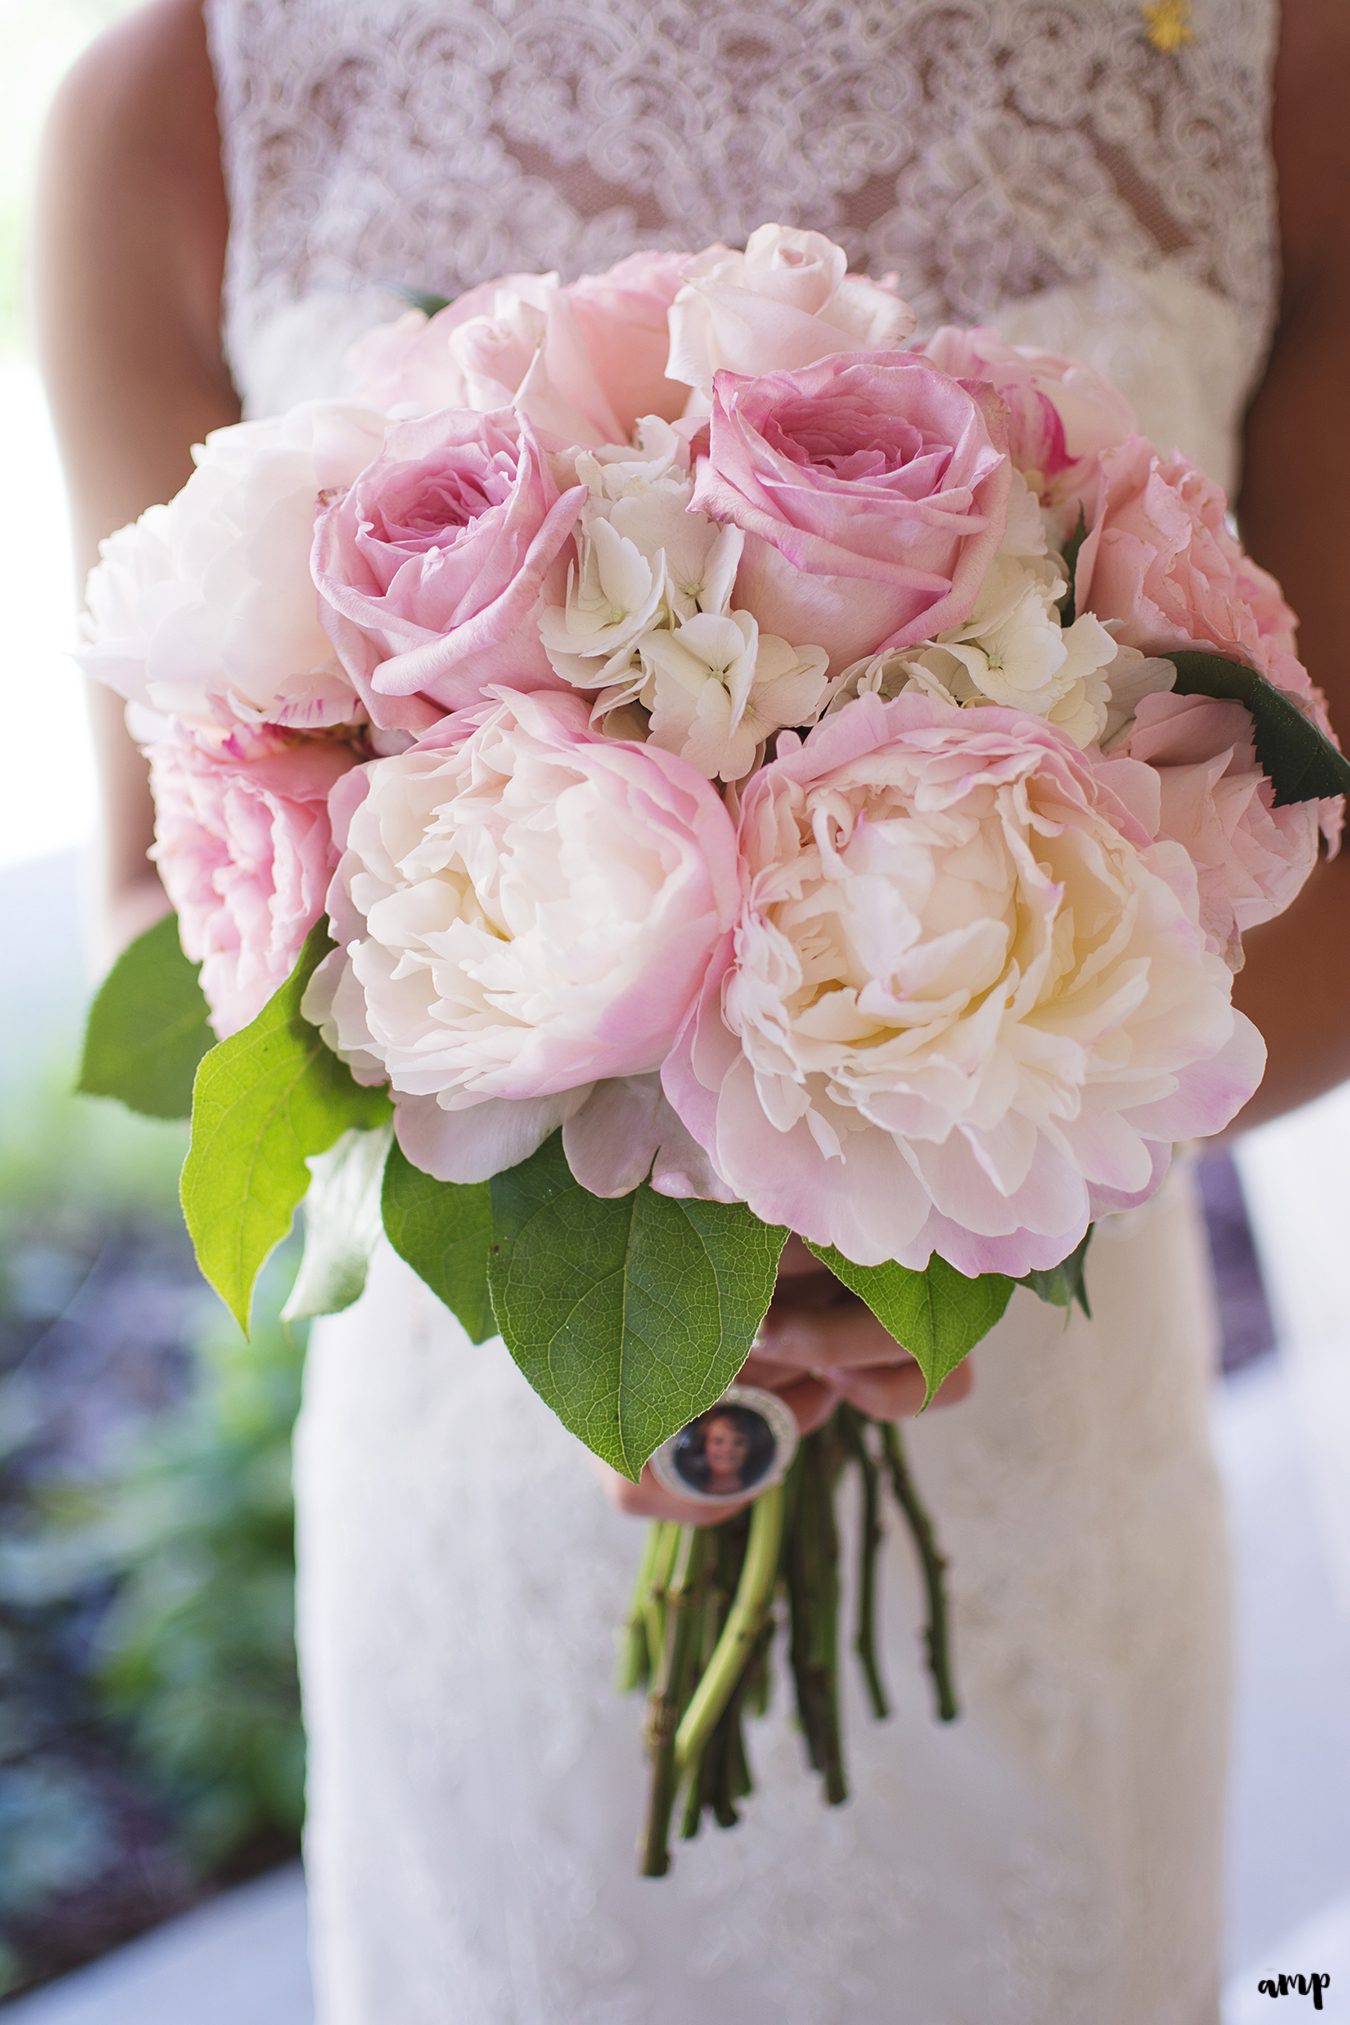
(444, 1231)
(1300, 760)
(147, 1027)
(1065, 1283)
(264, 1102)
(628, 1317)
(938, 1315)
(342, 1224)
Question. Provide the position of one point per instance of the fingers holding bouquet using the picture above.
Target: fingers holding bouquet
(820, 1344)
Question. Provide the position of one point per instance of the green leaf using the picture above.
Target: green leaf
(342, 1224)
(444, 1231)
(1069, 603)
(1300, 760)
(938, 1315)
(1065, 1283)
(428, 302)
(628, 1317)
(147, 1027)
(264, 1102)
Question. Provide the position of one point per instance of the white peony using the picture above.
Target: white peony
(523, 910)
(205, 609)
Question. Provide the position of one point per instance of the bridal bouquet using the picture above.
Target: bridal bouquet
(668, 762)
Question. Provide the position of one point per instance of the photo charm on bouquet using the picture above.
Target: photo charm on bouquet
(675, 760)
(736, 1449)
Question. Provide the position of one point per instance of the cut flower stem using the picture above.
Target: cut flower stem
(701, 1628)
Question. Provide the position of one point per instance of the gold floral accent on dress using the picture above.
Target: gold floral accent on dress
(1169, 25)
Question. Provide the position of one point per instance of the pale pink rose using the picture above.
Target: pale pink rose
(968, 1005)
(1161, 561)
(1061, 414)
(623, 316)
(205, 609)
(431, 564)
(244, 846)
(785, 302)
(525, 910)
(873, 493)
(413, 365)
(1251, 858)
(582, 362)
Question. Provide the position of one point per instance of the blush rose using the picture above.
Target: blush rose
(583, 362)
(784, 302)
(872, 492)
(431, 563)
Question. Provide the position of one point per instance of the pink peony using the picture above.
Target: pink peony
(581, 362)
(968, 1005)
(873, 493)
(525, 910)
(1251, 858)
(1161, 561)
(245, 849)
(431, 564)
(1061, 415)
(785, 302)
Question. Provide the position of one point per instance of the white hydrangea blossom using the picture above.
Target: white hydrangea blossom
(649, 619)
(716, 689)
(1014, 650)
(615, 594)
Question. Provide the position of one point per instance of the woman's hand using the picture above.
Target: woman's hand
(818, 1344)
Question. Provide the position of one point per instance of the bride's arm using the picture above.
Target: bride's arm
(1295, 512)
(130, 244)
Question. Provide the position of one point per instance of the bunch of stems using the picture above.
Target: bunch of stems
(706, 1605)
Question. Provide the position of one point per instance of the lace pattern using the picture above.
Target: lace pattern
(984, 149)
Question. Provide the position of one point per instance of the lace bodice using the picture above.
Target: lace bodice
(989, 151)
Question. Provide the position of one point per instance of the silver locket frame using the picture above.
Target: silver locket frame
(781, 1422)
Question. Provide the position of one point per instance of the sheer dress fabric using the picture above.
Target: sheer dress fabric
(474, 1779)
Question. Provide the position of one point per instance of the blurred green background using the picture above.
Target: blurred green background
(150, 1744)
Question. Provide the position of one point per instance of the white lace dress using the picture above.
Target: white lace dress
(475, 1783)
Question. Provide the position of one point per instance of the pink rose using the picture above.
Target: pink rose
(785, 302)
(582, 363)
(1061, 415)
(1251, 858)
(525, 910)
(873, 493)
(1160, 560)
(431, 564)
(245, 850)
(623, 318)
(968, 1005)
(417, 364)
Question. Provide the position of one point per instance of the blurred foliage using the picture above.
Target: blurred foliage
(196, 1652)
(149, 1729)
